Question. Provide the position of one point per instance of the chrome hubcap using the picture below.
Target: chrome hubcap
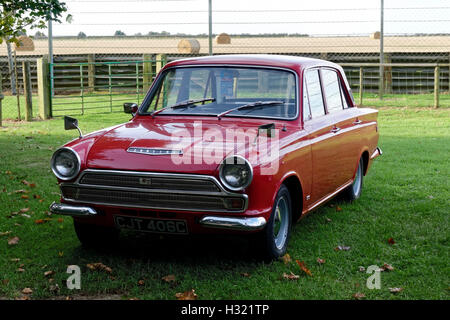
(357, 182)
(281, 223)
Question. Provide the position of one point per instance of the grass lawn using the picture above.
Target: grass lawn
(405, 197)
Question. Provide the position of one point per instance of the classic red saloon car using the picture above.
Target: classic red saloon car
(237, 143)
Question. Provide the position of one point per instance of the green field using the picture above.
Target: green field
(405, 197)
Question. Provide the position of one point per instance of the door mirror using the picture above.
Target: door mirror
(130, 107)
(70, 123)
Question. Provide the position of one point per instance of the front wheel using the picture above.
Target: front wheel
(353, 191)
(278, 229)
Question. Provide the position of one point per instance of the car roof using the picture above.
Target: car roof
(280, 61)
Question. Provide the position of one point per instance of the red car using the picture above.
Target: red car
(237, 143)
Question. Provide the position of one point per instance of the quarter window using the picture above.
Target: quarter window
(306, 110)
(314, 93)
(332, 90)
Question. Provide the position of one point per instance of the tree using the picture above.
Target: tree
(81, 35)
(40, 35)
(16, 15)
(119, 33)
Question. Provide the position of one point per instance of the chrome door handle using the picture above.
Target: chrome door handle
(336, 129)
(357, 122)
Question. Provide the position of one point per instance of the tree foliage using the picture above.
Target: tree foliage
(17, 15)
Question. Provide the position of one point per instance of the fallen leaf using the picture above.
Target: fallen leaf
(362, 269)
(60, 220)
(341, 248)
(13, 241)
(8, 172)
(25, 196)
(27, 291)
(302, 266)
(5, 233)
(36, 196)
(42, 200)
(430, 197)
(286, 258)
(48, 273)
(169, 278)
(290, 276)
(359, 296)
(245, 274)
(391, 241)
(21, 191)
(338, 208)
(329, 220)
(14, 260)
(187, 295)
(395, 290)
(320, 261)
(5, 282)
(24, 210)
(20, 270)
(60, 253)
(25, 215)
(387, 267)
(22, 298)
(99, 266)
(141, 282)
(54, 288)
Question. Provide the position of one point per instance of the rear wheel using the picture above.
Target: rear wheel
(277, 232)
(93, 236)
(353, 191)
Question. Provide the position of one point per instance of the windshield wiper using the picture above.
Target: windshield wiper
(253, 105)
(184, 104)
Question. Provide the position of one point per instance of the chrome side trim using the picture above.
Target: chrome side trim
(154, 151)
(68, 210)
(246, 224)
(222, 191)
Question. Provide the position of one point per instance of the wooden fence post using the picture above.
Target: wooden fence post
(27, 90)
(146, 71)
(1, 98)
(160, 62)
(436, 86)
(387, 73)
(91, 72)
(361, 85)
(43, 88)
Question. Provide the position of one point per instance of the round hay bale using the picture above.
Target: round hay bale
(375, 35)
(189, 46)
(223, 38)
(25, 44)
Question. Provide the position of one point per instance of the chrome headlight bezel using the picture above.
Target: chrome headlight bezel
(227, 162)
(77, 164)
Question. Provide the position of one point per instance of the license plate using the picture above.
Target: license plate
(151, 225)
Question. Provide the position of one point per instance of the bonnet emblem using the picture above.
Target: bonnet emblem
(154, 151)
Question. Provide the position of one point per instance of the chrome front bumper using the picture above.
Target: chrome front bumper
(245, 224)
(68, 210)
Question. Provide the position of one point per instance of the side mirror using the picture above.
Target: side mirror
(129, 107)
(71, 123)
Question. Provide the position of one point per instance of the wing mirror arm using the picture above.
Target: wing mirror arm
(72, 123)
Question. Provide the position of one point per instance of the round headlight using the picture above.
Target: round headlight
(65, 164)
(236, 173)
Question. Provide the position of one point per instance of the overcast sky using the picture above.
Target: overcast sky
(318, 17)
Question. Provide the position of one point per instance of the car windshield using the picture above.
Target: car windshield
(221, 91)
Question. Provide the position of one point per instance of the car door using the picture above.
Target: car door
(345, 137)
(323, 148)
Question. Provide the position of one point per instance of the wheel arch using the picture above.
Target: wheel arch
(293, 183)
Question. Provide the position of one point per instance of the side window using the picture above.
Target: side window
(332, 90)
(306, 109)
(344, 99)
(314, 93)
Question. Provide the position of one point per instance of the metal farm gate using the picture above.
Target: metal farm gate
(79, 88)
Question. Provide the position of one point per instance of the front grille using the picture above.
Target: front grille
(151, 199)
(148, 182)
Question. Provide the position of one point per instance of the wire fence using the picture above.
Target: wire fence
(415, 33)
